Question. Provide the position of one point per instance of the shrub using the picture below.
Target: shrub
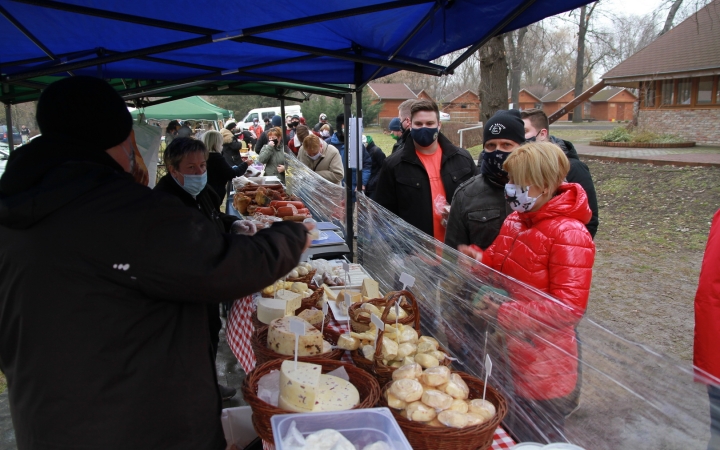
(619, 134)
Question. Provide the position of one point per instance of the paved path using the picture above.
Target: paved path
(693, 156)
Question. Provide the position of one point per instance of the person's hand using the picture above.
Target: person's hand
(308, 238)
(473, 252)
(245, 227)
(488, 309)
(280, 168)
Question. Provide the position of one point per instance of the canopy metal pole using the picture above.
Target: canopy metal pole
(8, 120)
(282, 118)
(358, 139)
(349, 229)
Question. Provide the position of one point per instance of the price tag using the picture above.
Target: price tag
(324, 311)
(348, 303)
(379, 324)
(488, 371)
(297, 327)
(406, 280)
(346, 266)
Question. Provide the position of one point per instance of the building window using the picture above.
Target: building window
(587, 108)
(650, 94)
(667, 92)
(539, 105)
(684, 91)
(704, 94)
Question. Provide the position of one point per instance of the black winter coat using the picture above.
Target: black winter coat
(580, 173)
(404, 187)
(231, 152)
(103, 327)
(220, 172)
(398, 145)
(377, 158)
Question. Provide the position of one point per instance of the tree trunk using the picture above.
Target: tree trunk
(516, 63)
(493, 78)
(579, 66)
(671, 16)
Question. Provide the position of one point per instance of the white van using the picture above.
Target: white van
(261, 113)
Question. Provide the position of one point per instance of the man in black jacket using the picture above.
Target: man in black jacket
(537, 128)
(479, 207)
(404, 116)
(411, 180)
(103, 304)
(378, 158)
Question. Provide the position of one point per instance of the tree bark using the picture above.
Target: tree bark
(515, 44)
(580, 62)
(671, 16)
(493, 78)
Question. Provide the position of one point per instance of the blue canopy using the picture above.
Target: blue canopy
(153, 47)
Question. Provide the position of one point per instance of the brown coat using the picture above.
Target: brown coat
(328, 166)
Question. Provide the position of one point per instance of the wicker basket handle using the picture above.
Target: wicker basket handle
(391, 298)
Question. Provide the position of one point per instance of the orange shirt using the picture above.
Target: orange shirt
(432, 167)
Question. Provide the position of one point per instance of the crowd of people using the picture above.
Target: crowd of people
(132, 277)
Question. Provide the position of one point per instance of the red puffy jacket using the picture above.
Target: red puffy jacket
(551, 250)
(706, 355)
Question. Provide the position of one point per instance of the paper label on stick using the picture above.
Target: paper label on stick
(346, 266)
(488, 367)
(377, 321)
(348, 300)
(324, 308)
(406, 280)
(297, 326)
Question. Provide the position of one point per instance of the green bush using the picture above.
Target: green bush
(619, 134)
(622, 134)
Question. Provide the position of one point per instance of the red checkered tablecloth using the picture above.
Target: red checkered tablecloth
(240, 329)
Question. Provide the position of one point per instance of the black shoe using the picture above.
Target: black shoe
(226, 392)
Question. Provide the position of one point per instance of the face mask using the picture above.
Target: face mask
(395, 137)
(534, 138)
(424, 136)
(297, 142)
(518, 198)
(193, 183)
(493, 163)
(325, 133)
(315, 158)
(294, 124)
(273, 142)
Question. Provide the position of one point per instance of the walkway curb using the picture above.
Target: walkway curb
(655, 162)
(642, 144)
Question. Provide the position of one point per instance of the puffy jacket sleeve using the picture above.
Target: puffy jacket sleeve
(706, 354)
(571, 258)
(265, 154)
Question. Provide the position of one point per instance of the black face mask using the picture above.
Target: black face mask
(492, 165)
(294, 124)
(273, 142)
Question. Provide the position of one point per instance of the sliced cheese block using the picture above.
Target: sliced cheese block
(313, 316)
(282, 340)
(269, 309)
(331, 394)
(329, 292)
(370, 288)
(299, 386)
(355, 297)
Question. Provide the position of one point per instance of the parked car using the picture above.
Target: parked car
(17, 139)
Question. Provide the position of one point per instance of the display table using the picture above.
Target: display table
(240, 329)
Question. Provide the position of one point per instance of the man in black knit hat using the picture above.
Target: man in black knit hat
(479, 207)
(103, 318)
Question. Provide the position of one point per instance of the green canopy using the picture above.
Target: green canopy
(202, 102)
(182, 109)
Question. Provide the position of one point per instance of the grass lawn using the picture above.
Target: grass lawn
(3, 383)
(384, 141)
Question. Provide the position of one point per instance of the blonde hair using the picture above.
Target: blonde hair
(213, 140)
(325, 127)
(539, 164)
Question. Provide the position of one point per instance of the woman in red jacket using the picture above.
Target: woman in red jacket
(545, 244)
(706, 355)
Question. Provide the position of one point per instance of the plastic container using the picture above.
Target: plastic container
(360, 426)
(562, 446)
(528, 446)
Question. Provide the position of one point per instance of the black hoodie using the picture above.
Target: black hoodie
(103, 325)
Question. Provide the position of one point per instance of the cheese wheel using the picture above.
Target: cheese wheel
(435, 376)
(420, 412)
(408, 371)
(453, 419)
(269, 309)
(436, 399)
(299, 386)
(407, 390)
(482, 408)
(456, 387)
(282, 340)
(330, 394)
(426, 360)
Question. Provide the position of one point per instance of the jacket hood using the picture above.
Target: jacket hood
(227, 136)
(43, 176)
(565, 146)
(570, 201)
(334, 140)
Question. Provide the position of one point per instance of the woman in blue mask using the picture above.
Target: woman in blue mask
(186, 163)
(543, 243)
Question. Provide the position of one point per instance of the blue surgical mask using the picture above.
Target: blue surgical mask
(424, 136)
(519, 198)
(314, 158)
(194, 184)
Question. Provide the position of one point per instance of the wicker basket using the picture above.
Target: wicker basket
(363, 363)
(264, 354)
(304, 279)
(307, 303)
(477, 437)
(382, 372)
(262, 412)
(360, 324)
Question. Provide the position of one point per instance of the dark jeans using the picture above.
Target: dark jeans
(714, 394)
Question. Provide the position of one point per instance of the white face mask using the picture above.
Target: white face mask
(315, 158)
(518, 198)
(325, 133)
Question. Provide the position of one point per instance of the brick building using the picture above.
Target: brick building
(526, 100)
(463, 106)
(391, 95)
(611, 104)
(556, 99)
(678, 77)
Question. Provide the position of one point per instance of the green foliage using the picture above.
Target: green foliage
(242, 104)
(623, 134)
